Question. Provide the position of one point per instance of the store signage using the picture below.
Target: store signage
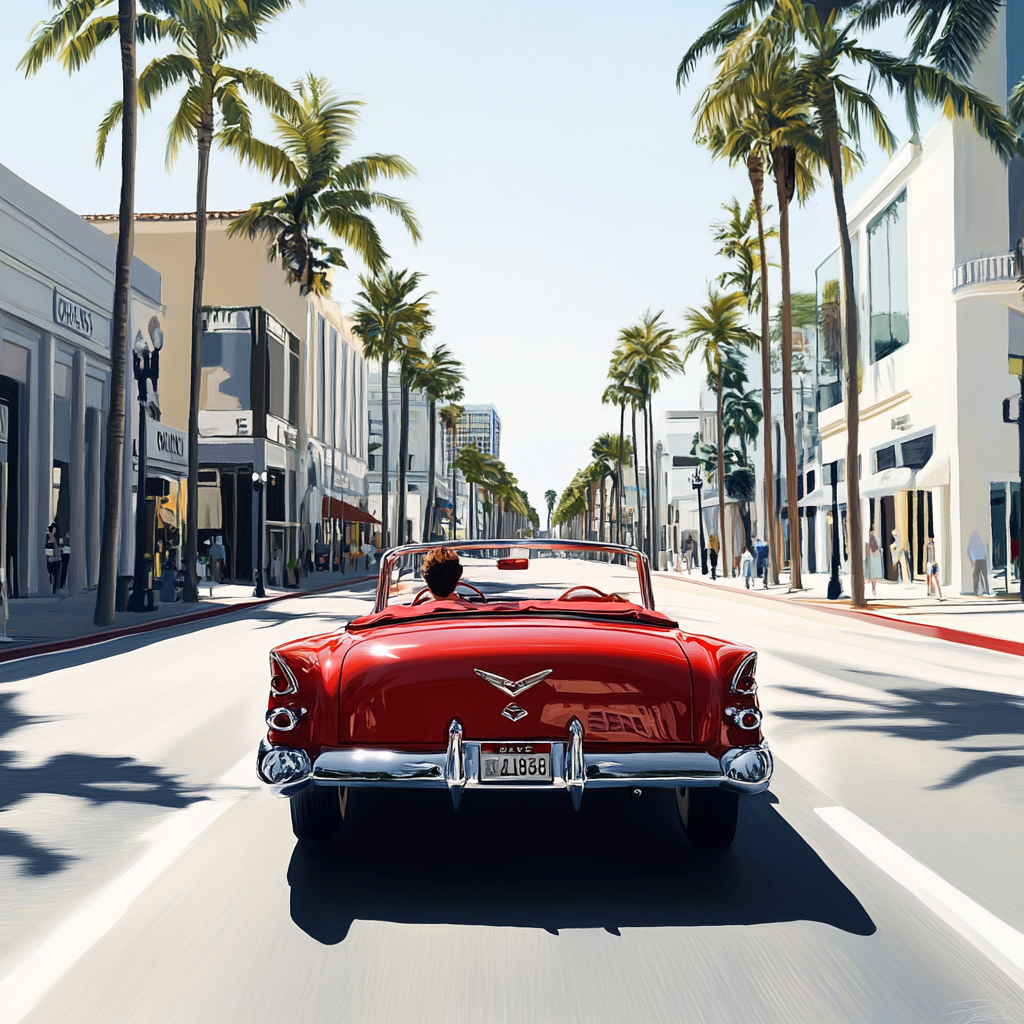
(71, 315)
(166, 444)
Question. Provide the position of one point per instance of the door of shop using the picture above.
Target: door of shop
(9, 483)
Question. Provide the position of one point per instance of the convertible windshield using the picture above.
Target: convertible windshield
(540, 575)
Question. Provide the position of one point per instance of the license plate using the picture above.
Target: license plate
(515, 762)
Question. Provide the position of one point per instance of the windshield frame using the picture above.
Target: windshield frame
(389, 558)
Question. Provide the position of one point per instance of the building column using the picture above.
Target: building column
(44, 466)
(77, 575)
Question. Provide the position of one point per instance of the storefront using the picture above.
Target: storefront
(344, 529)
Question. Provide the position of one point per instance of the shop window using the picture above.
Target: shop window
(278, 360)
(916, 452)
(294, 380)
(227, 359)
(888, 279)
(830, 391)
(275, 496)
(810, 480)
(885, 458)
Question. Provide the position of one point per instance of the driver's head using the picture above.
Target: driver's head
(441, 571)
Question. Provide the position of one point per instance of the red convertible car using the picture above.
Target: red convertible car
(547, 668)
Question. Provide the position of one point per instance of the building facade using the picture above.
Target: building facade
(56, 304)
(480, 425)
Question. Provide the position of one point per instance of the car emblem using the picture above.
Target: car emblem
(514, 712)
(513, 689)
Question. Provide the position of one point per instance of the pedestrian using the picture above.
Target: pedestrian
(761, 553)
(747, 566)
(933, 569)
(977, 553)
(65, 558)
(900, 559)
(713, 554)
(52, 553)
(690, 554)
(873, 561)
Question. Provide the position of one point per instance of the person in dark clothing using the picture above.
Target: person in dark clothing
(53, 556)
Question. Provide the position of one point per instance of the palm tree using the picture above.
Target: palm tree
(71, 37)
(648, 354)
(387, 319)
(410, 352)
(471, 463)
(621, 394)
(323, 191)
(612, 449)
(550, 497)
(715, 330)
(439, 375)
(449, 415)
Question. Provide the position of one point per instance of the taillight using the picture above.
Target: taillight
(282, 679)
(284, 719)
(745, 718)
(743, 680)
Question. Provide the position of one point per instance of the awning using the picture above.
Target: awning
(934, 473)
(822, 496)
(332, 508)
(889, 481)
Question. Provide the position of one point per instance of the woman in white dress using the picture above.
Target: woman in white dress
(873, 562)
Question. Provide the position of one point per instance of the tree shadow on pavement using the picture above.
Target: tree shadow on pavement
(529, 861)
(942, 714)
(100, 780)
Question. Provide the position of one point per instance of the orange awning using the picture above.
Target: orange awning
(332, 508)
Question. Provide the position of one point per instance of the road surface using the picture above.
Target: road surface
(145, 878)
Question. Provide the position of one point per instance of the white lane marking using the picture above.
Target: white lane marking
(1003, 945)
(30, 978)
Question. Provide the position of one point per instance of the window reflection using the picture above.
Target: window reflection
(227, 356)
(887, 275)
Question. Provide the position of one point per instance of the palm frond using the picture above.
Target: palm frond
(107, 125)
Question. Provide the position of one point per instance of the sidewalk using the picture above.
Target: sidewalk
(999, 617)
(38, 625)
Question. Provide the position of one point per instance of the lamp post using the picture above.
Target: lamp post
(258, 480)
(835, 588)
(145, 367)
(698, 482)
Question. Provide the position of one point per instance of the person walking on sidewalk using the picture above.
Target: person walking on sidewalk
(52, 551)
(713, 554)
(761, 550)
(689, 554)
(873, 562)
(978, 555)
(933, 569)
(747, 567)
(65, 559)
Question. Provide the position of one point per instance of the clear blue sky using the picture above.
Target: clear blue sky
(559, 188)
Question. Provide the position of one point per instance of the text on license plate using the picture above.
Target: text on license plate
(515, 762)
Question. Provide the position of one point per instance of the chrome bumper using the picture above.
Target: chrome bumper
(742, 769)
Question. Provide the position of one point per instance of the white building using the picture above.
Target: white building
(938, 304)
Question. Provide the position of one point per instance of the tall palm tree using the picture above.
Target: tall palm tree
(386, 318)
(619, 393)
(648, 354)
(471, 464)
(72, 36)
(550, 497)
(410, 353)
(324, 191)
(612, 450)
(439, 375)
(714, 330)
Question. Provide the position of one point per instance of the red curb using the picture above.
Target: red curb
(954, 636)
(89, 639)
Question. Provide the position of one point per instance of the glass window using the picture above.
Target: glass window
(887, 277)
(885, 458)
(830, 390)
(917, 451)
(226, 362)
(278, 382)
(294, 381)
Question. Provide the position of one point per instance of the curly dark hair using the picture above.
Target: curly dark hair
(441, 570)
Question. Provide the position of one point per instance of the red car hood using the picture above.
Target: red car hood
(629, 686)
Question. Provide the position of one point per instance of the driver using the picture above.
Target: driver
(441, 571)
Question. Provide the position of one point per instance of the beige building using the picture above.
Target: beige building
(283, 392)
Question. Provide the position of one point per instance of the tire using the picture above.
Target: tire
(708, 816)
(318, 812)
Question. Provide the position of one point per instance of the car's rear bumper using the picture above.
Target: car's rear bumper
(742, 769)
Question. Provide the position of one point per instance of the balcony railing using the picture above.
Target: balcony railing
(986, 270)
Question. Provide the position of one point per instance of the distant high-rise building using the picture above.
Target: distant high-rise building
(480, 425)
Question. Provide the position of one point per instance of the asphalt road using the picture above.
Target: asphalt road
(144, 878)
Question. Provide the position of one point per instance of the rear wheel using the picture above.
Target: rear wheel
(318, 812)
(708, 816)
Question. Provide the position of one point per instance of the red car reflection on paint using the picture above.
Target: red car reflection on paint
(552, 671)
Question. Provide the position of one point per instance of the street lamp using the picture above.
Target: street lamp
(258, 480)
(145, 367)
(698, 482)
(835, 588)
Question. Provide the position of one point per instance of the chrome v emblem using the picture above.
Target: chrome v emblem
(513, 689)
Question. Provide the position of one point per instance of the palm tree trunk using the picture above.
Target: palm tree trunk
(403, 457)
(453, 522)
(755, 168)
(113, 481)
(784, 160)
(204, 139)
(618, 465)
(851, 385)
(652, 521)
(638, 539)
(428, 518)
(723, 550)
(385, 450)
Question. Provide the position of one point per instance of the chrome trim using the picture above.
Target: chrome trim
(513, 687)
(736, 714)
(280, 788)
(747, 769)
(653, 768)
(293, 683)
(575, 771)
(293, 715)
(514, 712)
(379, 767)
(454, 764)
(739, 672)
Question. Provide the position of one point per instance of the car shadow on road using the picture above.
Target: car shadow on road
(519, 860)
(100, 780)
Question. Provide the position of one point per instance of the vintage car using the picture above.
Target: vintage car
(549, 669)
